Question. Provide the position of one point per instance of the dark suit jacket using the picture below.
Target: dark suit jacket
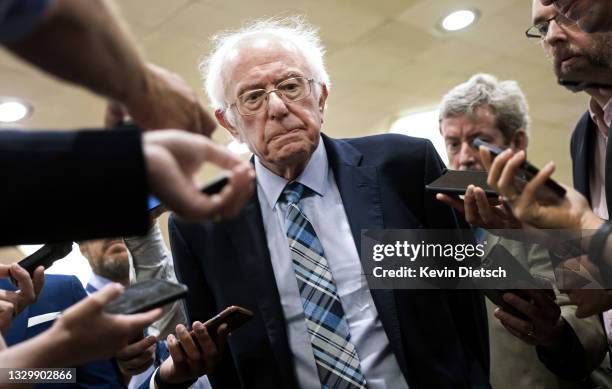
(439, 337)
(581, 150)
(59, 293)
(72, 185)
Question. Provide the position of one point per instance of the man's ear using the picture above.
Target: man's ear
(519, 140)
(84, 250)
(219, 114)
(322, 98)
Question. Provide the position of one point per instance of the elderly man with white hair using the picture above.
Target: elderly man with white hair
(292, 255)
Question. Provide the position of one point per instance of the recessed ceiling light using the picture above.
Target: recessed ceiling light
(237, 147)
(12, 111)
(458, 20)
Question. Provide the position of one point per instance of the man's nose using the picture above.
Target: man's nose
(277, 108)
(467, 155)
(555, 33)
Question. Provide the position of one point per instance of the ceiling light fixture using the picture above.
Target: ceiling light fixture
(458, 20)
(13, 110)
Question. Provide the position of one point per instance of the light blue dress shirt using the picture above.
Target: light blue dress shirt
(326, 212)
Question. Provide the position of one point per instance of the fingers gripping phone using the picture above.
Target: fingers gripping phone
(234, 316)
(518, 278)
(45, 256)
(527, 170)
(146, 295)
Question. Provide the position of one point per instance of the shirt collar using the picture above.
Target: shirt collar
(312, 177)
(598, 113)
(97, 281)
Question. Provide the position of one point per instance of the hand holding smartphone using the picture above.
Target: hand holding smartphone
(45, 256)
(527, 170)
(233, 316)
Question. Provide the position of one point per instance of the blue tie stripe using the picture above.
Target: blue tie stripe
(324, 317)
(336, 357)
(319, 283)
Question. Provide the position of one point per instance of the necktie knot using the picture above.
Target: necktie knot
(292, 193)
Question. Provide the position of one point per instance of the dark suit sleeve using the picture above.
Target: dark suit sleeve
(568, 359)
(72, 185)
(199, 303)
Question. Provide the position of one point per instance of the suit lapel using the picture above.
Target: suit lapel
(249, 240)
(584, 148)
(359, 188)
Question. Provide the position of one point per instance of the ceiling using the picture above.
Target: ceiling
(384, 57)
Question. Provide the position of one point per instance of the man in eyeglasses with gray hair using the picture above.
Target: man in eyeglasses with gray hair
(292, 255)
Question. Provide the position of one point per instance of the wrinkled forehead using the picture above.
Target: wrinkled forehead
(541, 13)
(253, 55)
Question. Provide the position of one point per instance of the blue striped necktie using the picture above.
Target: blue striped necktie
(335, 355)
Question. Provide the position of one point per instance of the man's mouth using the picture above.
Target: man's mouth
(567, 59)
(285, 133)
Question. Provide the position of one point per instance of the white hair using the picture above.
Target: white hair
(505, 99)
(293, 30)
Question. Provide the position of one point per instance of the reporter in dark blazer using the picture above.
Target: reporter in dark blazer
(572, 361)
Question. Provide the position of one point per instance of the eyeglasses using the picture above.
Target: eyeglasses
(539, 30)
(290, 90)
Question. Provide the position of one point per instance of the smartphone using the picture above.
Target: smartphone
(496, 297)
(45, 256)
(528, 171)
(500, 257)
(234, 316)
(579, 86)
(213, 187)
(456, 182)
(146, 295)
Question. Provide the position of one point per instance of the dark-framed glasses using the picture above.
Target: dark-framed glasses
(289, 90)
(539, 30)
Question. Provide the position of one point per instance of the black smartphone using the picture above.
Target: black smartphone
(456, 182)
(45, 256)
(528, 171)
(496, 297)
(146, 295)
(517, 277)
(213, 187)
(579, 86)
(234, 316)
